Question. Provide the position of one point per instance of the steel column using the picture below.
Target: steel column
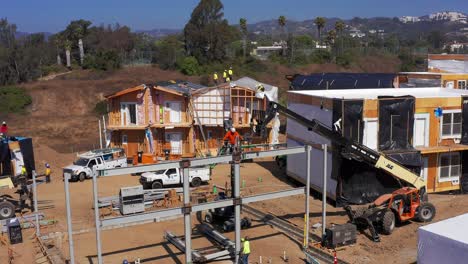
(307, 195)
(36, 212)
(100, 134)
(237, 218)
(324, 189)
(66, 179)
(97, 219)
(187, 217)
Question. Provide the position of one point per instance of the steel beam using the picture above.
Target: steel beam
(179, 244)
(141, 217)
(198, 162)
(187, 217)
(217, 236)
(272, 195)
(97, 219)
(307, 194)
(324, 190)
(121, 220)
(216, 255)
(237, 210)
(66, 180)
(38, 231)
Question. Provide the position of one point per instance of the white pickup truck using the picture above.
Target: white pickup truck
(161, 178)
(89, 163)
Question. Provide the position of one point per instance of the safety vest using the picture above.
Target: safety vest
(23, 171)
(228, 79)
(230, 72)
(215, 76)
(47, 172)
(246, 247)
(224, 74)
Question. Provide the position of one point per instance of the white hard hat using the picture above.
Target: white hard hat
(233, 129)
(3, 123)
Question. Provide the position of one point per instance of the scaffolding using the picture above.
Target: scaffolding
(187, 209)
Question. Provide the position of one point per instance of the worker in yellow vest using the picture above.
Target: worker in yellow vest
(23, 171)
(215, 78)
(228, 79)
(245, 250)
(225, 75)
(230, 73)
(47, 172)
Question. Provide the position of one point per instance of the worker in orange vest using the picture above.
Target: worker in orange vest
(231, 136)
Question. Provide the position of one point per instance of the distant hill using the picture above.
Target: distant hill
(20, 34)
(160, 33)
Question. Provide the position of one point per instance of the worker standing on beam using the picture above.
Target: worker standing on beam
(215, 78)
(230, 73)
(47, 172)
(225, 75)
(245, 250)
(231, 136)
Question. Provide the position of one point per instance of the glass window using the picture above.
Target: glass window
(451, 125)
(170, 171)
(449, 166)
(92, 163)
(462, 84)
(132, 113)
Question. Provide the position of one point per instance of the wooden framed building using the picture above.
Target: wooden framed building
(184, 118)
(402, 123)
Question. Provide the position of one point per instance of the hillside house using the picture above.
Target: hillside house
(402, 123)
(182, 118)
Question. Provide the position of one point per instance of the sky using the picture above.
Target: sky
(54, 15)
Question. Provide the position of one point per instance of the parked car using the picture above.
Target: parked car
(159, 179)
(89, 163)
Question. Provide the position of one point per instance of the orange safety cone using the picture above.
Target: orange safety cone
(335, 260)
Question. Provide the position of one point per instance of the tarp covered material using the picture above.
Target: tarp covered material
(334, 81)
(411, 159)
(27, 152)
(464, 137)
(360, 183)
(271, 91)
(444, 242)
(396, 120)
(452, 66)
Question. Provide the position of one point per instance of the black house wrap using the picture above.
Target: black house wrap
(27, 151)
(396, 120)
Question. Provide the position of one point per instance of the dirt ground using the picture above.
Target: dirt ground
(146, 241)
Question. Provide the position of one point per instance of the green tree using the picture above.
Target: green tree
(282, 25)
(75, 32)
(339, 27)
(207, 33)
(189, 66)
(320, 24)
(243, 28)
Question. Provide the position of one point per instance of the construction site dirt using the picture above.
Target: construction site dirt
(147, 243)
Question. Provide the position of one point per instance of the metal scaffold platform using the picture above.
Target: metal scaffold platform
(186, 210)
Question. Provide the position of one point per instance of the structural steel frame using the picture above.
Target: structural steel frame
(187, 208)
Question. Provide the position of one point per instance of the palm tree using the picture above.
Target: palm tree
(282, 24)
(243, 28)
(67, 45)
(320, 24)
(331, 36)
(339, 27)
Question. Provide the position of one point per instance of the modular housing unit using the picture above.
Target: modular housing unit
(422, 129)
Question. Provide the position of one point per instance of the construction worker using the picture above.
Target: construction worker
(245, 250)
(4, 129)
(1, 136)
(24, 172)
(47, 172)
(231, 136)
(228, 79)
(230, 72)
(215, 78)
(225, 75)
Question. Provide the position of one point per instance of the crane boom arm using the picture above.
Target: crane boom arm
(351, 149)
